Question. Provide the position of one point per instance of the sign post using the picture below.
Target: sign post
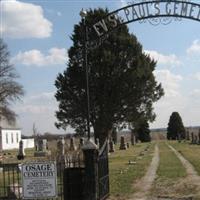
(39, 180)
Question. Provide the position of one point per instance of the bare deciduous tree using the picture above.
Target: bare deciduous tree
(10, 90)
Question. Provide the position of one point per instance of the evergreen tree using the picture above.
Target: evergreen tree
(10, 90)
(143, 131)
(121, 81)
(175, 129)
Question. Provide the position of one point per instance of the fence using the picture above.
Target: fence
(77, 178)
(103, 172)
(11, 181)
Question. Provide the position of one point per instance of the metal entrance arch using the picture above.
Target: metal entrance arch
(155, 12)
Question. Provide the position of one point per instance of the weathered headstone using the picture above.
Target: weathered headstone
(41, 147)
(187, 135)
(72, 146)
(122, 143)
(111, 146)
(127, 145)
(133, 141)
(195, 139)
(21, 153)
(60, 158)
(36, 144)
(179, 137)
(81, 143)
(61, 147)
(192, 137)
(199, 137)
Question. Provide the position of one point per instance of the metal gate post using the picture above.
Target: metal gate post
(73, 183)
(90, 151)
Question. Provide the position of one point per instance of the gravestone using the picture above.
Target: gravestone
(41, 148)
(195, 139)
(192, 137)
(111, 146)
(179, 137)
(122, 143)
(61, 147)
(21, 153)
(36, 144)
(60, 158)
(199, 137)
(41, 145)
(133, 139)
(72, 146)
(81, 143)
(127, 145)
(187, 135)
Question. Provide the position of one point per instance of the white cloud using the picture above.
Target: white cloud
(34, 109)
(192, 109)
(43, 96)
(53, 12)
(24, 20)
(35, 57)
(194, 49)
(38, 103)
(173, 99)
(59, 14)
(123, 3)
(170, 82)
(197, 76)
(39, 109)
(176, 99)
(169, 60)
(195, 93)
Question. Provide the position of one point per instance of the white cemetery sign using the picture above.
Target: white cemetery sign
(39, 180)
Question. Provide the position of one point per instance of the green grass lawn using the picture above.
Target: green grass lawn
(171, 175)
(123, 175)
(11, 155)
(170, 166)
(190, 152)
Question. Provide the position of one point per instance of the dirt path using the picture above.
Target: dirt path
(193, 177)
(144, 185)
(188, 166)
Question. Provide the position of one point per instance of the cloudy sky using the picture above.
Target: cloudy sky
(38, 35)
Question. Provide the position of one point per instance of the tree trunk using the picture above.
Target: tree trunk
(102, 135)
(133, 139)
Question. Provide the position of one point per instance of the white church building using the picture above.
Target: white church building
(9, 138)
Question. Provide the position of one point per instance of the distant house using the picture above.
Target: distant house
(9, 138)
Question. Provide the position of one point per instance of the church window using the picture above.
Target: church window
(7, 138)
